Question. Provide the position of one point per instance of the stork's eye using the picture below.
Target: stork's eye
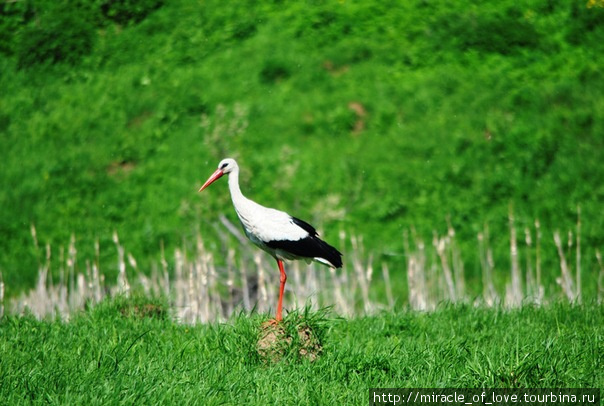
(224, 165)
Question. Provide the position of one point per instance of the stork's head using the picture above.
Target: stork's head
(225, 166)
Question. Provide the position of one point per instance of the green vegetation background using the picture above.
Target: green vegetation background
(368, 117)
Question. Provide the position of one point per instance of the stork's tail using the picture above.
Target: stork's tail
(326, 254)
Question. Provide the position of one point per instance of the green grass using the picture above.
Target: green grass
(114, 355)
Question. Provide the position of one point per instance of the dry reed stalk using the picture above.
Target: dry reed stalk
(201, 265)
(264, 294)
(134, 266)
(1, 296)
(540, 288)
(233, 230)
(458, 272)
(244, 286)
(457, 262)
(214, 288)
(348, 295)
(531, 287)
(418, 292)
(483, 267)
(514, 293)
(388, 284)
(346, 280)
(147, 283)
(356, 282)
(415, 287)
(191, 300)
(440, 244)
(43, 299)
(164, 268)
(322, 293)
(311, 284)
(178, 288)
(80, 299)
(416, 299)
(132, 262)
(34, 236)
(600, 295)
(39, 299)
(578, 266)
(230, 281)
(565, 281)
(368, 305)
(341, 305)
(96, 277)
(294, 277)
(63, 293)
(364, 278)
(123, 285)
(489, 294)
(425, 299)
(158, 283)
(72, 254)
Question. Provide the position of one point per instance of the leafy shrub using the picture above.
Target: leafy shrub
(61, 33)
(51, 32)
(274, 72)
(129, 11)
(13, 15)
(324, 26)
(585, 20)
(500, 32)
(244, 30)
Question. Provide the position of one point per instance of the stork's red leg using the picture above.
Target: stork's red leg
(282, 280)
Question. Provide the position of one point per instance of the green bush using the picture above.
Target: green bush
(128, 11)
(13, 16)
(39, 32)
(499, 32)
(58, 35)
(586, 23)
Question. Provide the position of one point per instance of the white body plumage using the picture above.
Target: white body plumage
(276, 232)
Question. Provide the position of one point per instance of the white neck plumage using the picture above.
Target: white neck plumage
(236, 195)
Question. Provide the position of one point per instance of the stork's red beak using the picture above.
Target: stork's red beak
(215, 176)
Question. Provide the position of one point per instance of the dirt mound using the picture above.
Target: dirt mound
(280, 339)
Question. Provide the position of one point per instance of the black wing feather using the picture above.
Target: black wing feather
(304, 225)
(309, 247)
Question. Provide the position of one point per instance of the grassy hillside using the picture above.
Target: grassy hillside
(370, 118)
(118, 354)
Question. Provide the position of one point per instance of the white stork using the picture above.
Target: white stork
(276, 232)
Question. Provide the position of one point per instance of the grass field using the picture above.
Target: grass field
(130, 352)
